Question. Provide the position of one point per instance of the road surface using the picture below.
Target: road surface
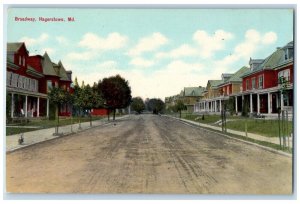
(147, 154)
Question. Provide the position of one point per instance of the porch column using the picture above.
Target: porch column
(215, 106)
(236, 105)
(258, 104)
(251, 105)
(269, 103)
(220, 106)
(26, 108)
(281, 101)
(47, 107)
(12, 105)
(38, 107)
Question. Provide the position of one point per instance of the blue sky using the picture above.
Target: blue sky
(159, 51)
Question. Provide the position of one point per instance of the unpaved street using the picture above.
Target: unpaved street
(147, 154)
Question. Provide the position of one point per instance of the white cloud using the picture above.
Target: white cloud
(80, 55)
(34, 41)
(211, 43)
(269, 38)
(107, 65)
(113, 41)
(140, 62)
(184, 50)
(62, 40)
(149, 43)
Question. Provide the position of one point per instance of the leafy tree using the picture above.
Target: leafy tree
(246, 108)
(58, 97)
(230, 105)
(116, 93)
(155, 105)
(179, 106)
(138, 105)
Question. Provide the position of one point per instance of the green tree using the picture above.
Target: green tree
(58, 97)
(230, 105)
(155, 105)
(116, 93)
(137, 105)
(179, 106)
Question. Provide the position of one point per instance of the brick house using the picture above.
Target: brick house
(28, 79)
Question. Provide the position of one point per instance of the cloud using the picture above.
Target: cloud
(184, 50)
(140, 62)
(211, 43)
(87, 55)
(62, 40)
(269, 38)
(113, 41)
(34, 41)
(147, 44)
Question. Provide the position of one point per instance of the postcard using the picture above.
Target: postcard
(188, 101)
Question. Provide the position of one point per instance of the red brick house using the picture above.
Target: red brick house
(261, 87)
(29, 79)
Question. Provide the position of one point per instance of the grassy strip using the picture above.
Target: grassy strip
(268, 128)
(263, 143)
(18, 130)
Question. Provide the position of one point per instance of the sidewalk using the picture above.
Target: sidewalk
(47, 134)
(274, 140)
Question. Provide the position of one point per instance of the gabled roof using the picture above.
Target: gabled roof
(193, 91)
(214, 83)
(14, 47)
(48, 68)
(236, 77)
(273, 61)
(62, 72)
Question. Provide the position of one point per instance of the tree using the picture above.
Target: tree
(116, 93)
(155, 105)
(138, 105)
(58, 97)
(179, 106)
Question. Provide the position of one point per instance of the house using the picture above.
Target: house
(190, 96)
(29, 78)
(263, 91)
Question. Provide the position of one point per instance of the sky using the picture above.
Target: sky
(159, 51)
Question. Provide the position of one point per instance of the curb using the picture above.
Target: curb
(228, 136)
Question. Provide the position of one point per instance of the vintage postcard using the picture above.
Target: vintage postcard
(150, 101)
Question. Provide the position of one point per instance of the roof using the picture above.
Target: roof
(276, 59)
(193, 91)
(14, 47)
(62, 72)
(215, 83)
(236, 77)
(48, 68)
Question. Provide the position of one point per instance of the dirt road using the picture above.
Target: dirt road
(148, 154)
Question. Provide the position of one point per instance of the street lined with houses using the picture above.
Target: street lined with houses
(147, 154)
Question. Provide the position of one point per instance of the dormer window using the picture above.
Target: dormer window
(24, 61)
(289, 53)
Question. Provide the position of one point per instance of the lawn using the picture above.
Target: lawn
(42, 124)
(262, 127)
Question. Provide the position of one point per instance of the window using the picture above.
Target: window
(56, 84)
(289, 53)
(24, 61)
(14, 80)
(20, 81)
(247, 84)
(260, 81)
(285, 74)
(253, 83)
(49, 85)
(20, 60)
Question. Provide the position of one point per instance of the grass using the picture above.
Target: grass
(43, 124)
(263, 143)
(268, 128)
(18, 130)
